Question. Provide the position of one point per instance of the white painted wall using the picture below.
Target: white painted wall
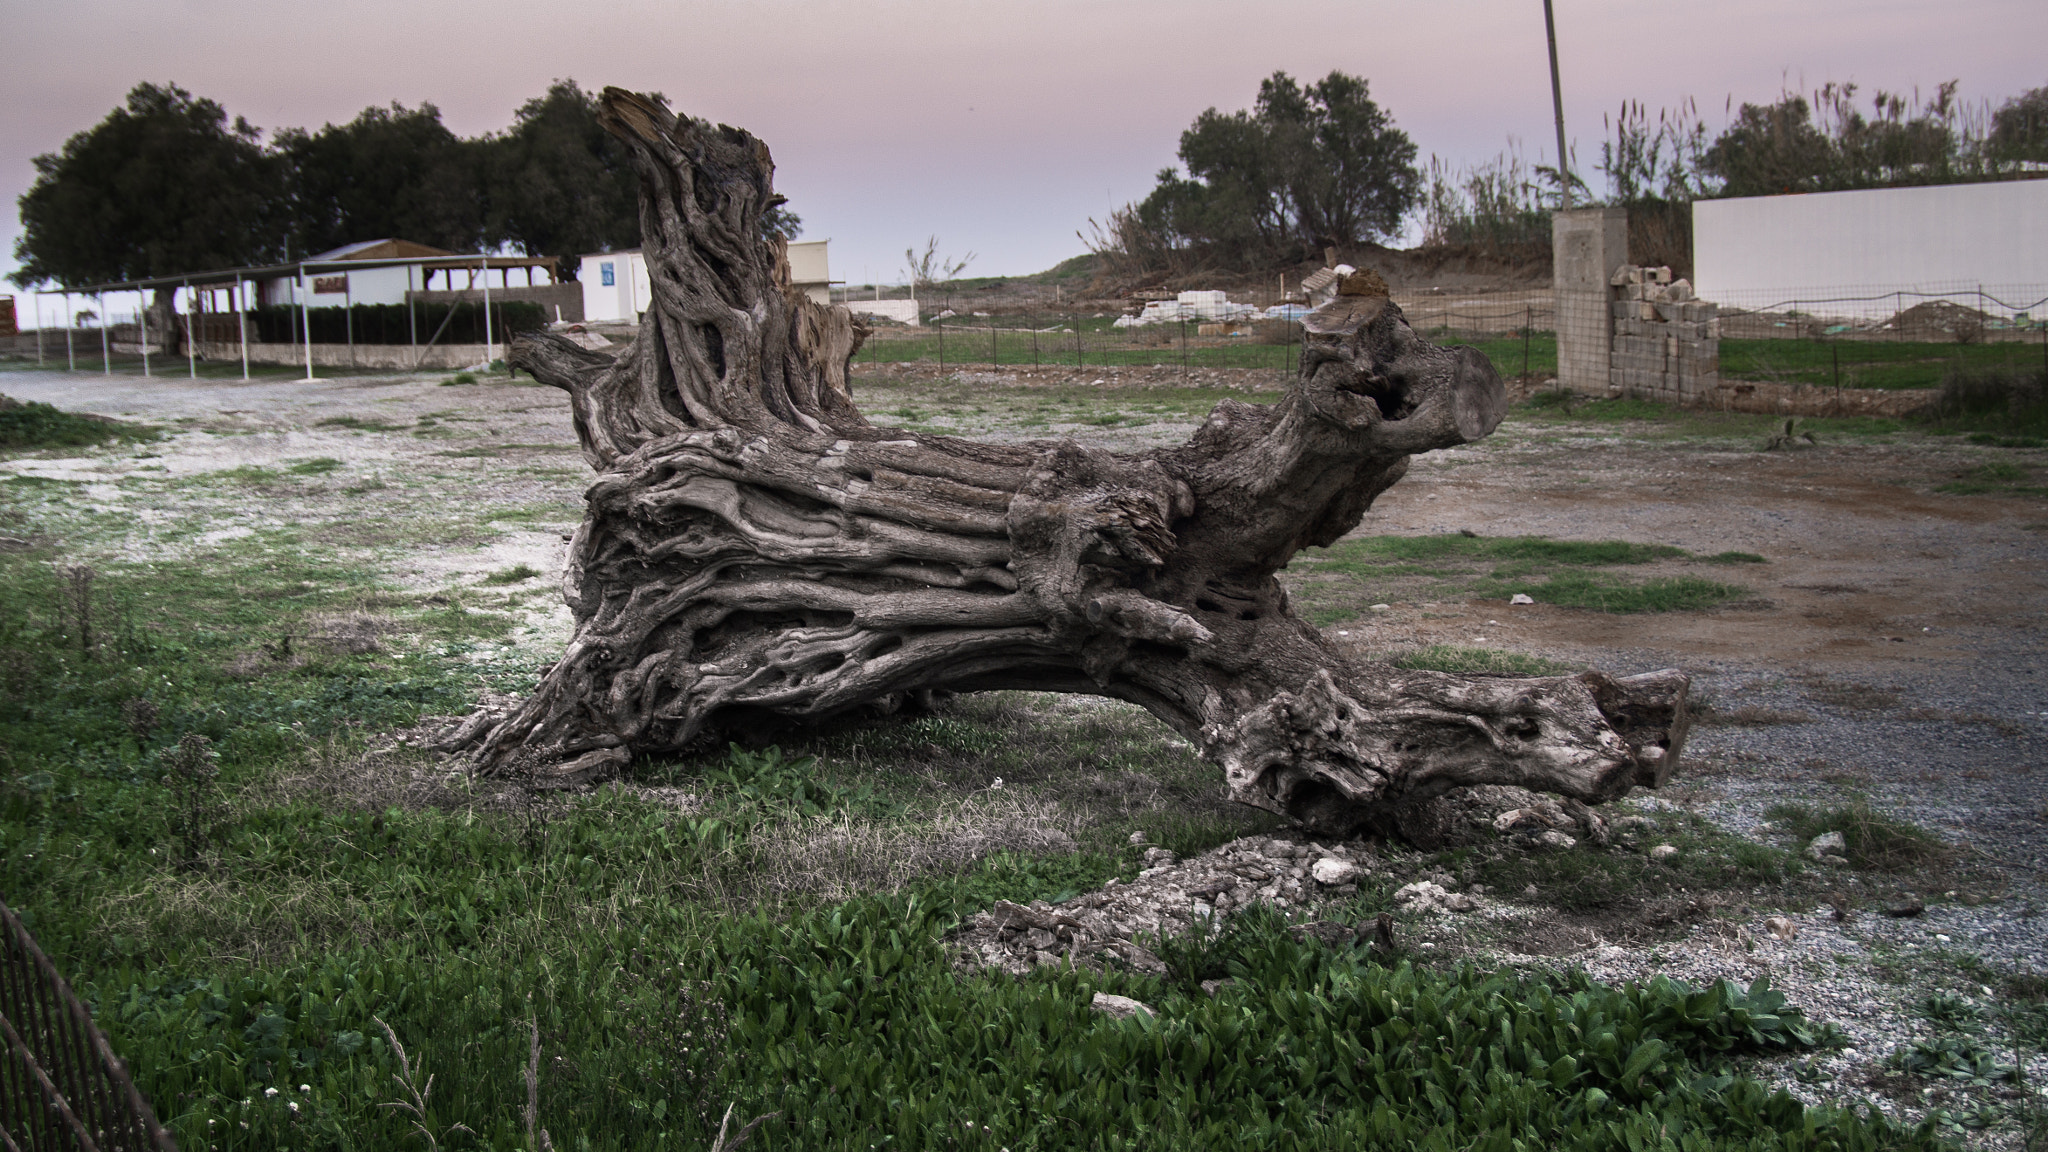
(626, 294)
(901, 311)
(810, 269)
(1753, 251)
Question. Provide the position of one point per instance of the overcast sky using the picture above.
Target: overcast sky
(1000, 128)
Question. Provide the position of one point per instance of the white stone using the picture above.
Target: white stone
(1122, 1007)
(1663, 852)
(1330, 871)
(1780, 927)
(1522, 598)
(1827, 844)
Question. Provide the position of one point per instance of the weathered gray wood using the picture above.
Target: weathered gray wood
(754, 548)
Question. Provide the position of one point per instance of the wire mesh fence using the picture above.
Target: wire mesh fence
(1880, 337)
(61, 1086)
(1515, 333)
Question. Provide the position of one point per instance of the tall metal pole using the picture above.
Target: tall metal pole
(487, 310)
(242, 311)
(39, 329)
(106, 353)
(1564, 168)
(306, 318)
(69, 355)
(191, 331)
(142, 327)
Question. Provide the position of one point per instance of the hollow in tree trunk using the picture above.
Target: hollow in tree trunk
(754, 550)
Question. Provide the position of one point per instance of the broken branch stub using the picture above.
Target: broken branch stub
(754, 548)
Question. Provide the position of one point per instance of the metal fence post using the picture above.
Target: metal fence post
(1528, 323)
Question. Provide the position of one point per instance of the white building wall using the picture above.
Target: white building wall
(1939, 239)
(627, 293)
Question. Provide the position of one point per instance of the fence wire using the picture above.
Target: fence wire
(62, 1089)
(1516, 335)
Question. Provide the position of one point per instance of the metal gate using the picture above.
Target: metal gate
(62, 1089)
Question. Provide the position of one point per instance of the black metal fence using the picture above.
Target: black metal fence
(62, 1089)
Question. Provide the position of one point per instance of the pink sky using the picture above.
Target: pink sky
(999, 128)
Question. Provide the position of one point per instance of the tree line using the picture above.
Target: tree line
(1309, 167)
(167, 184)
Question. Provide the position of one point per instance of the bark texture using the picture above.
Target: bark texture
(754, 548)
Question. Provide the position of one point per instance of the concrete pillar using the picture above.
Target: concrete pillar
(1587, 246)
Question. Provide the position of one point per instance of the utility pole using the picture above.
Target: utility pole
(1564, 171)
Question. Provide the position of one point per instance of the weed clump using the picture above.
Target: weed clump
(513, 575)
(33, 424)
(198, 818)
(2010, 402)
(1874, 840)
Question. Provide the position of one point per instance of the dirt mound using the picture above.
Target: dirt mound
(1940, 318)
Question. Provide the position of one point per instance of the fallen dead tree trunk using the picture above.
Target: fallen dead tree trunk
(754, 549)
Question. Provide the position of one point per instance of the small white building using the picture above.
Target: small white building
(333, 289)
(615, 285)
(409, 270)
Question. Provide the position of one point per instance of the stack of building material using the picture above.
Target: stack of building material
(1667, 344)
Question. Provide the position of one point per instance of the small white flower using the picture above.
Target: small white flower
(998, 783)
(270, 1091)
(305, 1087)
(295, 1105)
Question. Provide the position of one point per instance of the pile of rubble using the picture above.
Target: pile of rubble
(1166, 899)
(1290, 871)
(1667, 342)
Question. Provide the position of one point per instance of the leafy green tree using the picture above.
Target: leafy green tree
(2019, 129)
(1770, 149)
(1832, 144)
(560, 184)
(390, 172)
(1306, 167)
(163, 185)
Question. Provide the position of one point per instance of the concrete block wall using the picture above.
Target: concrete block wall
(1587, 247)
(1665, 344)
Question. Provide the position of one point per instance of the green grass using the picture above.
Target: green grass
(1509, 357)
(358, 424)
(516, 574)
(1603, 593)
(660, 950)
(1650, 420)
(1876, 840)
(34, 425)
(1998, 476)
(1450, 658)
(1866, 363)
(1335, 583)
(319, 466)
(966, 343)
(1629, 884)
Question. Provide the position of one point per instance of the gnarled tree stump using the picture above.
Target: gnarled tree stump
(755, 548)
